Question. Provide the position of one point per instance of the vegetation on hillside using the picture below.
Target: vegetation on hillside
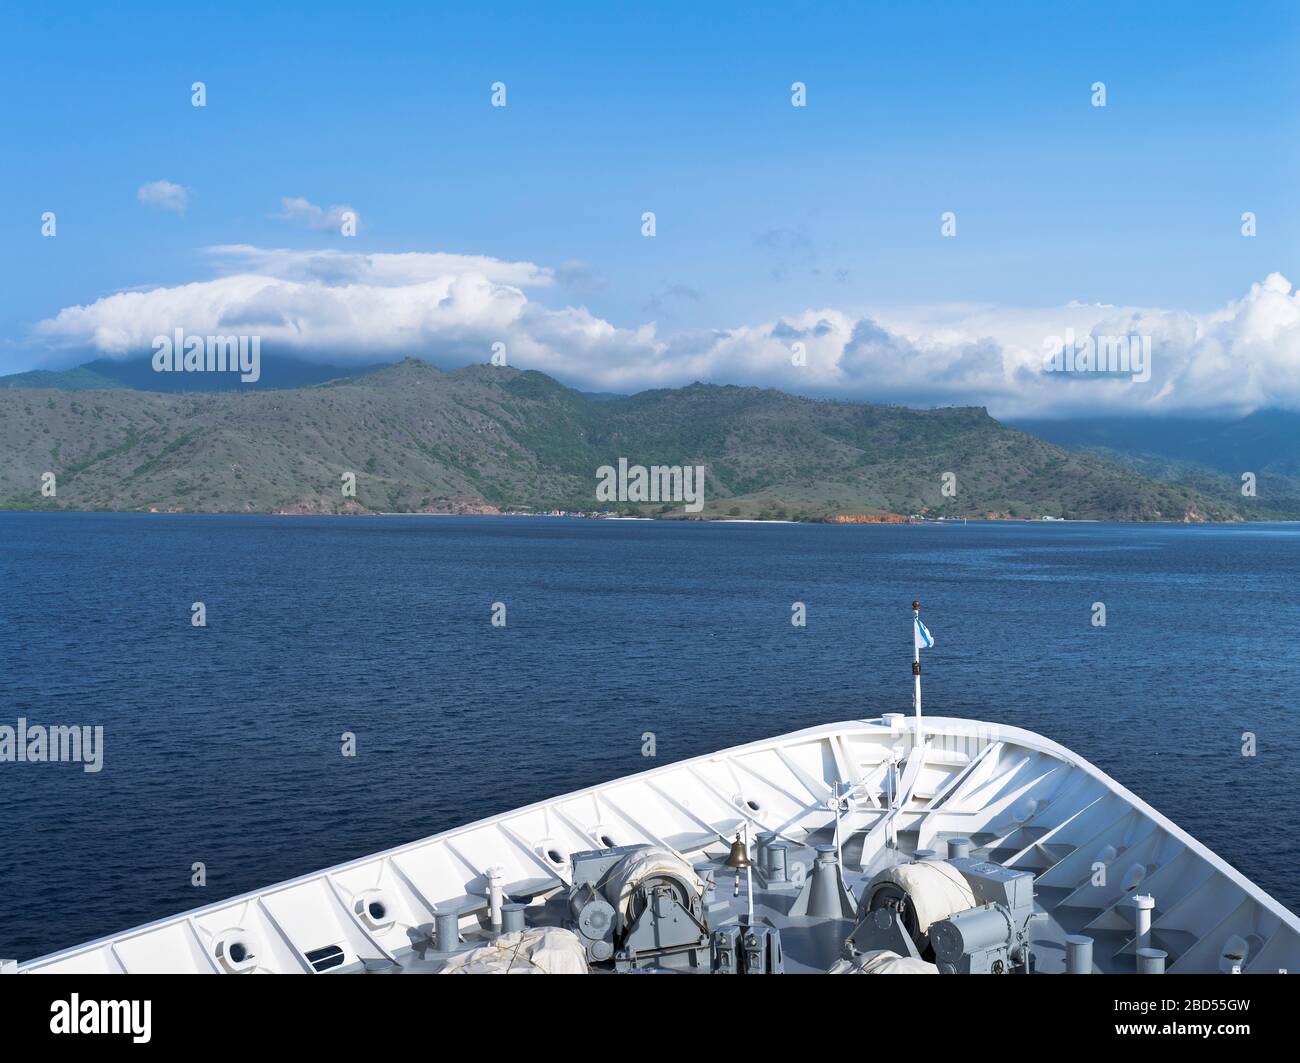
(470, 440)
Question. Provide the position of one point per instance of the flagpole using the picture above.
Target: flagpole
(916, 666)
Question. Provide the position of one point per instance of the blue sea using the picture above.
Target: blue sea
(222, 744)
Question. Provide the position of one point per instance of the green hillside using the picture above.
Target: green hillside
(478, 438)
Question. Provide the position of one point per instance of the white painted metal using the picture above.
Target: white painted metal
(1024, 801)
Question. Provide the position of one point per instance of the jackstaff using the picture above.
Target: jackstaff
(921, 639)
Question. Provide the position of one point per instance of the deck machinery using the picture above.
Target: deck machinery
(865, 848)
(638, 907)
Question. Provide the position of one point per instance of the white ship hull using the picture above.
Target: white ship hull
(1025, 803)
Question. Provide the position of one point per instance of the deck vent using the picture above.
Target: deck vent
(235, 950)
(375, 908)
(553, 850)
(1232, 957)
(324, 958)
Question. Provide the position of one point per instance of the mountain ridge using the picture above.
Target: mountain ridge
(1218, 457)
(482, 438)
(137, 374)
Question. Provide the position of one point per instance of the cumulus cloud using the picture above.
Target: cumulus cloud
(302, 211)
(164, 195)
(451, 308)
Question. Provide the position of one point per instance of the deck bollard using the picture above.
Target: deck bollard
(776, 863)
(512, 917)
(1078, 954)
(446, 931)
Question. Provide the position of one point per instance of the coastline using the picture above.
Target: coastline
(665, 519)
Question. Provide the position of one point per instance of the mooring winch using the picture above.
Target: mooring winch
(633, 904)
(965, 916)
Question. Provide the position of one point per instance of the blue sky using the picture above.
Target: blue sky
(764, 211)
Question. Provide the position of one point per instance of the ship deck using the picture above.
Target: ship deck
(1023, 801)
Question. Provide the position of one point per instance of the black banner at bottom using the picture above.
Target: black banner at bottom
(353, 1012)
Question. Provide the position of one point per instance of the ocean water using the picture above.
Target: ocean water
(222, 744)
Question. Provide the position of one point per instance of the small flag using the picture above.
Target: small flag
(922, 637)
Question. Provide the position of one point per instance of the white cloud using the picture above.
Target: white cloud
(343, 307)
(304, 212)
(164, 195)
(381, 269)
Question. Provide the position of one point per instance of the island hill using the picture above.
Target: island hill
(487, 439)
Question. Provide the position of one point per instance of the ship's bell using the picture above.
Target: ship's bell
(739, 855)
